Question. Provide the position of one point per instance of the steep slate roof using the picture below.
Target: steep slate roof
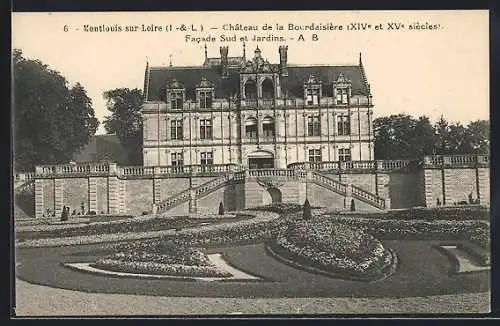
(297, 75)
(224, 87)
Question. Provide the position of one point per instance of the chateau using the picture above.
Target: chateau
(247, 133)
(250, 112)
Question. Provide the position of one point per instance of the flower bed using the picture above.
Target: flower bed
(139, 224)
(129, 225)
(437, 213)
(215, 233)
(476, 232)
(161, 258)
(334, 247)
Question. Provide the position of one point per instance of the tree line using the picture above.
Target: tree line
(53, 122)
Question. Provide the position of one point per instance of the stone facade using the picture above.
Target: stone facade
(375, 185)
(256, 114)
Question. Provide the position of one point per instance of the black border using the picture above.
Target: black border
(162, 5)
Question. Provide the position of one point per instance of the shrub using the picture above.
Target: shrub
(307, 210)
(353, 205)
(221, 208)
(144, 213)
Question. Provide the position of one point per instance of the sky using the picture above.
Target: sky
(432, 72)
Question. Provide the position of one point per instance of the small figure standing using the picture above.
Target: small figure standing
(82, 208)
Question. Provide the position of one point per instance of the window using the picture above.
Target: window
(343, 125)
(205, 129)
(176, 101)
(268, 127)
(314, 155)
(312, 97)
(344, 154)
(342, 96)
(205, 100)
(176, 129)
(251, 131)
(207, 158)
(313, 126)
(177, 159)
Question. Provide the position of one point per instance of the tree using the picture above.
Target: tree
(478, 133)
(125, 120)
(51, 121)
(402, 137)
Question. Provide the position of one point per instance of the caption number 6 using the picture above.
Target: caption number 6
(66, 28)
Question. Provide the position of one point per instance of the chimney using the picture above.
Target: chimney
(223, 60)
(283, 60)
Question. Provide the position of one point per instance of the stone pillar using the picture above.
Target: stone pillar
(381, 180)
(92, 194)
(427, 185)
(156, 190)
(39, 203)
(387, 203)
(348, 197)
(58, 196)
(447, 186)
(192, 201)
(483, 185)
(122, 196)
(113, 195)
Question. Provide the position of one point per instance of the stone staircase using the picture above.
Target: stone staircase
(344, 190)
(195, 193)
(24, 197)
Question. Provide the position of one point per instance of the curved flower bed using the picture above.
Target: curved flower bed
(161, 259)
(481, 213)
(334, 247)
(123, 226)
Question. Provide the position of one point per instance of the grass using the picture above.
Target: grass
(423, 272)
(34, 300)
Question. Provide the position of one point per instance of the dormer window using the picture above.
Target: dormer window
(176, 100)
(341, 97)
(175, 95)
(342, 90)
(205, 94)
(312, 97)
(312, 90)
(205, 99)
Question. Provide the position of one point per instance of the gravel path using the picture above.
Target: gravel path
(35, 300)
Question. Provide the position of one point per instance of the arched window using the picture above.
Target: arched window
(267, 89)
(251, 128)
(268, 127)
(251, 90)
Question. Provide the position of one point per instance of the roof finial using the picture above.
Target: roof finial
(170, 60)
(206, 52)
(244, 51)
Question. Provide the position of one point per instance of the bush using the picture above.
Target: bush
(221, 208)
(353, 205)
(307, 215)
(144, 213)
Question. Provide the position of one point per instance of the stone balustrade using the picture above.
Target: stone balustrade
(439, 161)
(378, 165)
(24, 176)
(107, 169)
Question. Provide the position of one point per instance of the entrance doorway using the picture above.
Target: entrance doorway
(261, 160)
(260, 163)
